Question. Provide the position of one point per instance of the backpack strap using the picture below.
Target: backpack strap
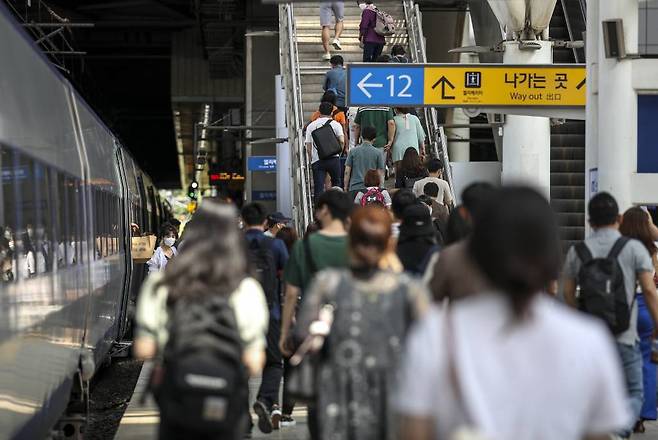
(583, 253)
(309, 255)
(618, 247)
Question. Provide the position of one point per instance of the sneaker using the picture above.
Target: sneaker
(336, 44)
(264, 421)
(275, 416)
(287, 421)
(326, 56)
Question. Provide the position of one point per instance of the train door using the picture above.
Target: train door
(126, 244)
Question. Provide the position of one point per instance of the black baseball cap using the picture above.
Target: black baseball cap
(278, 217)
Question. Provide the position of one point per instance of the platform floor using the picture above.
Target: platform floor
(140, 421)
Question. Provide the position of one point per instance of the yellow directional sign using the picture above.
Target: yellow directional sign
(505, 85)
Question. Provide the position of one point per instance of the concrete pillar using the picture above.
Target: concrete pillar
(617, 106)
(526, 139)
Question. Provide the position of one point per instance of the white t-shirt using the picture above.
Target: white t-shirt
(555, 376)
(444, 197)
(338, 130)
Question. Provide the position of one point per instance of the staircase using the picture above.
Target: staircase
(568, 138)
(303, 71)
(309, 43)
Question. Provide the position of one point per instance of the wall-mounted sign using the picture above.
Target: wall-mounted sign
(263, 196)
(261, 163)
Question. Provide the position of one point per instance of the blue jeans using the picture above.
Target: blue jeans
(631, 359)
(320, 168)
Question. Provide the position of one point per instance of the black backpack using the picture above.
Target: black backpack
(203, 385)
(263, 267)
(602, 289)
(326, 142)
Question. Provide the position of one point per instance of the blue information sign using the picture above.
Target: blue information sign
(385, 84)
(261, 163)
(263, 196)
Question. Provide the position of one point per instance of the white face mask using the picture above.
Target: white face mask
(169, 241)
(362, 6)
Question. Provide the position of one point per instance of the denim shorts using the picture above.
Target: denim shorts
(327, 9)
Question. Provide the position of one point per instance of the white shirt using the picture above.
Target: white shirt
(444, 197)
(159, 260)
(338, 130)
(554, 376)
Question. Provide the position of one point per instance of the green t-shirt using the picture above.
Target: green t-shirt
(377, 117)
(362, 158)
(326, 251)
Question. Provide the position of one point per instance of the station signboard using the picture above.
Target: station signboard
(466, 85)
(261, 163)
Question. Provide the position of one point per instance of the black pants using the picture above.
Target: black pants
(372, 51)
(268, 393)
(288, 401)
(320, 168)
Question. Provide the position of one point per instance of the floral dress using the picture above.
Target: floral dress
(359, 360)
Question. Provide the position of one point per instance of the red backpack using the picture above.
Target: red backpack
(373, 195)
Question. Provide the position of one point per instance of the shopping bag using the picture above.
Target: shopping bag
(142, 248)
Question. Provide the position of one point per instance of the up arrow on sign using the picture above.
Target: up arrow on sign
(363, 85)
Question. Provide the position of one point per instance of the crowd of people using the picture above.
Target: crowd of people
(400, 313)
(412, 326)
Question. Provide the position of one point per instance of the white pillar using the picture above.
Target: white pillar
(592, 37)
(283, 160)
(527, 139)
(617, 106)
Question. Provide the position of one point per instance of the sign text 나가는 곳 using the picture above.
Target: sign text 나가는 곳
(463, 85)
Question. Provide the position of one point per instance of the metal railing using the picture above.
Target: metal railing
(418, 52)
(302, 209)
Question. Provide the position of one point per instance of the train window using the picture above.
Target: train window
(8, 215)
(65, 256)
(55, 232)
(98, 215)
(41, 234)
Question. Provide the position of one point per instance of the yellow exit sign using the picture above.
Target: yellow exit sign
(504, 85)
(466, 85)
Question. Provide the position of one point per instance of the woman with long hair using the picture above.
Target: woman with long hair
(411, 170)
(372, 310)
(636, 223)
(510, 362)
(209, 272)
(409, 133)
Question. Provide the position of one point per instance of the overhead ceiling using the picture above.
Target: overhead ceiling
(118, 54)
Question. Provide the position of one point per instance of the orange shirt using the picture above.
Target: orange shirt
(338, 117)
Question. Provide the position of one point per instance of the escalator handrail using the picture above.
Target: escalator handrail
(435, 133)
(302, 211)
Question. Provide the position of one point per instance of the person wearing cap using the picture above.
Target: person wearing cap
(417, 238)
(275, 222)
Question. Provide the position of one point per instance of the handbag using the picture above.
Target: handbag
(467, 431)
(302, 382)
(325, 141)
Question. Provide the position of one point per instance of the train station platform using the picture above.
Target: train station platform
(141, 419)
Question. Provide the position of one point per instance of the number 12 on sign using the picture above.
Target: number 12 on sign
(379, 83)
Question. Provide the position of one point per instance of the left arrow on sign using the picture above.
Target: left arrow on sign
(363, 86)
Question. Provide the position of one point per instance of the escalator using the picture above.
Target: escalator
(568, 137)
